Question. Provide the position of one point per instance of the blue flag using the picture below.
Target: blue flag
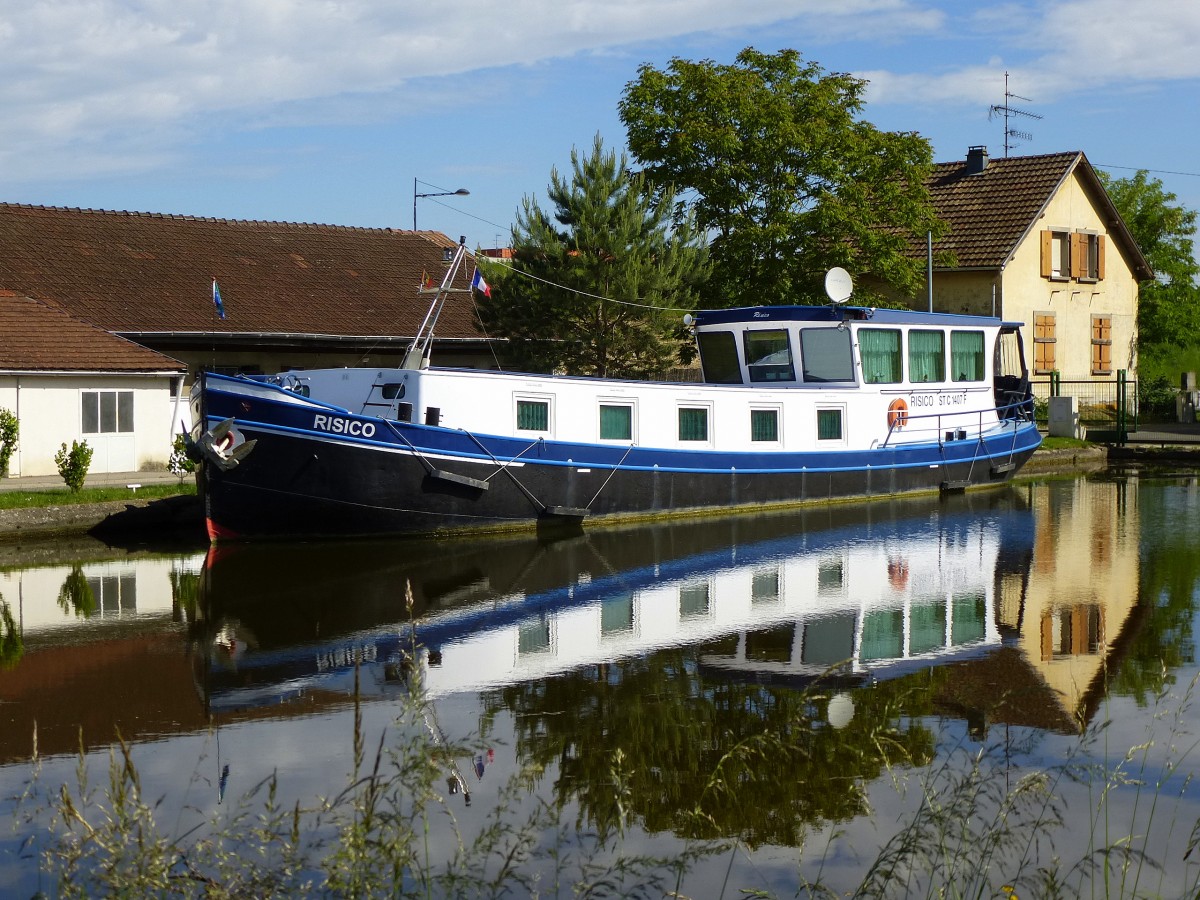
(217, 300)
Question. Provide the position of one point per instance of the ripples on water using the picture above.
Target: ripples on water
(1014, 621)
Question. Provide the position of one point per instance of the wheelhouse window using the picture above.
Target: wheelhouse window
(829, 424)
(719, 357)
(966, 356)
(693, 423)
(926, 356)
(826, 354)
(107, 412)
(879, 349)
(764, 425)
(616, 422)
(769, 355)
(533, 415)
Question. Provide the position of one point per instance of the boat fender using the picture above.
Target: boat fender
(897, 415)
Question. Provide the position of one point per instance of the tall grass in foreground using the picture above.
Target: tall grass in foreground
(980, 827)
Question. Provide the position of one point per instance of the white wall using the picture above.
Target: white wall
(49, 410)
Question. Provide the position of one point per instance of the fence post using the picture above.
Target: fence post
(1122, 405)
(1055, 383)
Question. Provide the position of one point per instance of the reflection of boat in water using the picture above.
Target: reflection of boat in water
(882, 590)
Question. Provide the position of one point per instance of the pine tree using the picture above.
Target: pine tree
(601, 288)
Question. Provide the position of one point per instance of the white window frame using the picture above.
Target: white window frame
(548, 399)
(630, 402)
(839, 408)
(117, 392)
(711, 424)
(776, 408)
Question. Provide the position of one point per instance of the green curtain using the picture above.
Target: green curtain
(883, 635)
(764, 425)
(966, 355)
(829, 424)
(616, 423)
(880, 352)
(970, 619)
(926, 356)
(533, 415)
(693, 424)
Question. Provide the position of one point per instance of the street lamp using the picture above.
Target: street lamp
(461, 192)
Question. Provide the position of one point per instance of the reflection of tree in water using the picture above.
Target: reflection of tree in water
(76, 594)
(1168, 516)
(185, 592)
(706, 757)
(11, 643)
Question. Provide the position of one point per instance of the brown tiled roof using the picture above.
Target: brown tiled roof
(139, 273)
(41, 338)
(991, 211)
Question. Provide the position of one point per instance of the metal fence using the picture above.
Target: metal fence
(1102, 405)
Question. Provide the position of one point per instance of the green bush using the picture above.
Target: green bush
(180, 463)
(73, 464)
(1156, 398)
(9, 430)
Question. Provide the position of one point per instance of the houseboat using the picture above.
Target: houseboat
(795, 404)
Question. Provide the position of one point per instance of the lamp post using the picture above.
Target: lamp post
(461, 192)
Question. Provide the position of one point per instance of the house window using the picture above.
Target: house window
(616, 422)
(1043, 343)
(1101, 345)
(880, 352)
(926, 356)
(829, 424)
(966, 356)
(1087, 256)
(693, 423)
(107, 412)
(768, 355)
(764, 425)
(533, 415)
(1056, 254)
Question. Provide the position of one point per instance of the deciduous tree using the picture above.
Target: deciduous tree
(772, 157)
(599, 287)
(1169, 306)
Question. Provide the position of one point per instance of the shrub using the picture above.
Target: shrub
(180, 463)
(73, 464)
(1156, 398)
(9, 430)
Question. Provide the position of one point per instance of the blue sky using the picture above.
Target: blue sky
(300, 111)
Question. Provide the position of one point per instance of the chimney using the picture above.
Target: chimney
(977, 160)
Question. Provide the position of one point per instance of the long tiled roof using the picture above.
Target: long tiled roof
(990, 211)
(149, 273)
(41, 338)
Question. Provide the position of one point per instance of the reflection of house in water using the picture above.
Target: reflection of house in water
(1066, 619)
(101, 649)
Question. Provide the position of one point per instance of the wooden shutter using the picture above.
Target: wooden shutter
(1100, 257)
(1079, 255)
(1047, 252)
(1101, 345)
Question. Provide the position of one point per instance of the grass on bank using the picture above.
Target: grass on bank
(21, 499)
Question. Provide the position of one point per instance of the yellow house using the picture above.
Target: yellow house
(1036, 239)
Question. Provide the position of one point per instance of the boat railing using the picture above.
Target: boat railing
(957, 426)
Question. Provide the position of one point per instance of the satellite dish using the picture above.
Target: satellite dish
(838, 285)
(688, 319)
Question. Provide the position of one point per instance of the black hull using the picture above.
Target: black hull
(298, 487)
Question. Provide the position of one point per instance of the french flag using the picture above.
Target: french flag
(477, 283)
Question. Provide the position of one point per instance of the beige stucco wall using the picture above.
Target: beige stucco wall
(1025, 292)
(49, 410)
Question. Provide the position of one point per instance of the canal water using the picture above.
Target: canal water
(975, 690)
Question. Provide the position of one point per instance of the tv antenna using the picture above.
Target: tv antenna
(1007, 109)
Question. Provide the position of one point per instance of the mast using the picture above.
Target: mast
(417, 354)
